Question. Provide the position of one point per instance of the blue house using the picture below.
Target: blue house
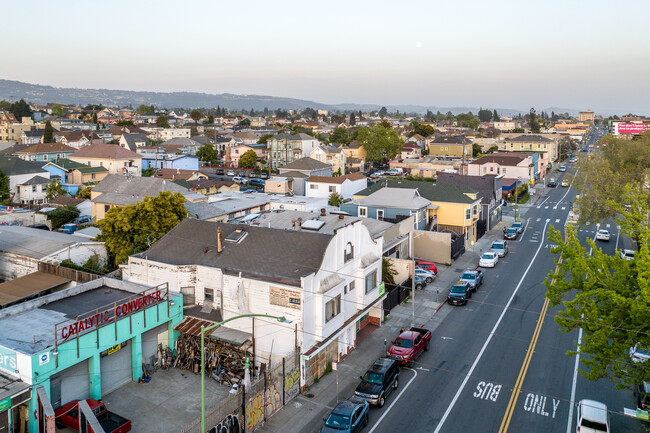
(392, 205)
(162, 160)
(46, 152)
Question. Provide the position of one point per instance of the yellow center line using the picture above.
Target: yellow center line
(524, 367)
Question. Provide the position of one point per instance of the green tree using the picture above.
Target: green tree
(131, 229)
(130, 122)
(335, 199)
(162, 121)
(339, 135)
(567, 146)
(57, 110)
(48, 133)
(423, 130)
(62, 215)
(21, 109)
(380, 142)
(534, 124)
(493, 149)
(606, 296)
(244, 122)
(484, 115)
(495, 116)
(196, 115)
(207, 153)
(94, 119)
(148, 172)
(144, 109)
(353, 119)
(388, 271)
(5, 105)
(383, 111)
(467, 120)
(209, 120)
(54, 189)
(518, 130)
(84, 193)
(264, 139)
(248, 159)
(4, 187)
(476, 150)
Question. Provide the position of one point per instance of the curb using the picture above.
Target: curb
(439, 307)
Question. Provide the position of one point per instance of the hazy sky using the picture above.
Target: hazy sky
(513, 54)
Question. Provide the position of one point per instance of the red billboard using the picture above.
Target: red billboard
(633, 128)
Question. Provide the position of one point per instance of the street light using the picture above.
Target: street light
(210, 328)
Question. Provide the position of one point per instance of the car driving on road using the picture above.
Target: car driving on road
(602, 235)
(488, 260)
(627, 254)
(565, 184)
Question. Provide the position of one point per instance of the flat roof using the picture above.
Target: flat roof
(10, 387)
(37, 283)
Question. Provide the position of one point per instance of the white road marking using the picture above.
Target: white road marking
(563, 208)
(536, 403)
(545, 207)
(607, 225)
(394, 401)
(563, 197)
(557, 221)
(569, 423)
(447, 338)
(538, 219)
(487, 341)
(540, 205)
(487, 391)
(618, 235)
(423, 369)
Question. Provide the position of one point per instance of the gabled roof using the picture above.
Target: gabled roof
(330, 149)
(435, 192)
(36, 180)
(117, 189)
(295, 254)
(132, 140)
(530, 139)
(400, 198)
(13, 166)
(337, 179)
(305, 163)
(46, 148)
(453, 139)
(181, 141)
(107, 151)
(67, 164)
(510, 159)
(207, 183)
(86, 169)
(488, 187)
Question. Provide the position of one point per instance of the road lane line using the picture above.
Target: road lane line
(487, 341)
(394, 401)
(573, 385)
(540, 205)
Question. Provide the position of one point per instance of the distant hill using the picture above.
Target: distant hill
(39, 94)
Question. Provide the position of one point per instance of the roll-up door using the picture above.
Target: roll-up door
(150, 340)
(116, 367)
(73, 383)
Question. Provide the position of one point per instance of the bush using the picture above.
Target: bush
(62, 215)
(94, 265)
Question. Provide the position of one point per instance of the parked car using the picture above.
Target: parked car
(519, 226)
(409, 346)
(627, 254)
(220, 171)
(488, 260)
(240, 180)
(252, 174)
(349, 416)
(602, 235)
(241, 173)
(84, 219)
(231, 173)
(395, 172)
(459, 293)
(510, 234)
(592, 417)
(378, 382)
(565, 184)
(427, 265)
(256, 182)
(473, 277)
(638, 354)
(426, 274)
(420, 282)
(499, 247)
(378, 173)
(551, 184)
(264, 175)
(68, 416)
(642, 393)
(562, 168)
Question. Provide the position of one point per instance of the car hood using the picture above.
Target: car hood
(369, 388)
(326, 429)
(456, 295)
(394, 350)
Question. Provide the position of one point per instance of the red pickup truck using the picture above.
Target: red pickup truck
(68, 416)
(409, 346)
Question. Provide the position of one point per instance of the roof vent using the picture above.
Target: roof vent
(236, 236)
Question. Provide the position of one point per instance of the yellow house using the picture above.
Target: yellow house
(113, 157)
(88, 175)
(455, 146)
(531, 143)
(355, 156)
(212, 186)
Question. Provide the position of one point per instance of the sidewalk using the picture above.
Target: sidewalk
(306, 411)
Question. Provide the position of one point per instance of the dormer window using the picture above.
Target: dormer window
(349, 252)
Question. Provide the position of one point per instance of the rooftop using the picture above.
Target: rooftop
(35, 243)
(108, 151)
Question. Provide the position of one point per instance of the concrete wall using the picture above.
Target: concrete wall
(402, 269)
(22, 218)
(433, 246)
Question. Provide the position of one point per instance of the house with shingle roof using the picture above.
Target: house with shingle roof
(33, 191)
(134, 142)
(285, 148)
(46, 152)
(331, 155)
(512, 165)
(19, 172)
(392, 205)
(457, 146)
(346, 186)
(546, 148)
(113, 157)
(327, 284)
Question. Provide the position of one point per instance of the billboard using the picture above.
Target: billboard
(632, 128)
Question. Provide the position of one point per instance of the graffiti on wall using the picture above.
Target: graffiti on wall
(269, 400)
(291, 384)
(229, 424)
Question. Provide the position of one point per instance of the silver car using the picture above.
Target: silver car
(500, 247)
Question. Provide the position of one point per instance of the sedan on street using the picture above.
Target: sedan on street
(425, 273)
(500, 247)
(565, 184)
(602, 235)
(518, 225)
(510, 234)
(459, 293)
(627, 254)
(349, 416)
(488, 260)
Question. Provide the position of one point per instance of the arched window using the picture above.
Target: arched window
(349, 252)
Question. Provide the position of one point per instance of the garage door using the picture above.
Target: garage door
(150, 340)
(73, 383)
(116, 367)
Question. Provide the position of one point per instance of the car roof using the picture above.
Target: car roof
(460, 283)
(345, 407)
(603, 231)
(381, 365)
(594, 410)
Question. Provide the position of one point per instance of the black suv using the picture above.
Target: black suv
(378, 382)
(459, 293)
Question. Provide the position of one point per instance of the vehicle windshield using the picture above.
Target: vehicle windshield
(467, 276)
(511, 231)
(373, 377)
(516, 225)
(487, 256)
(403, 342)
(598, 426)
(338, 421)
(496, 246)
(458, 289)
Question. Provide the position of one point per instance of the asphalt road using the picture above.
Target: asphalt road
(500, 364)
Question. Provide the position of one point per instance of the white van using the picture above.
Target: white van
(592, 417)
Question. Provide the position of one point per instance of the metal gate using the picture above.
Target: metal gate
(115, 365)
(73, 383)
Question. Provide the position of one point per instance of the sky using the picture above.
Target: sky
(575, 54)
